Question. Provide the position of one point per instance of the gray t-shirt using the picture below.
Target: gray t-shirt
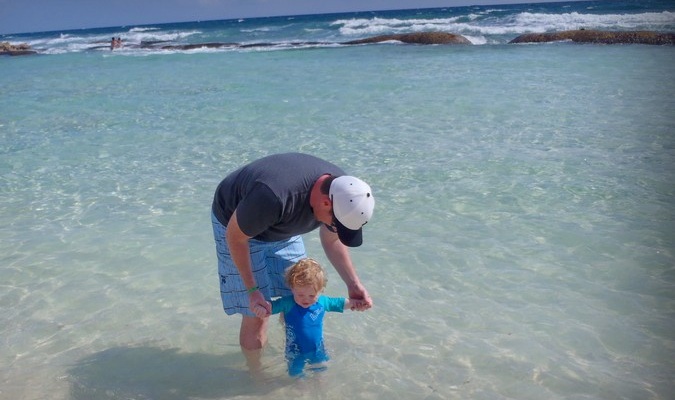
(271, 195)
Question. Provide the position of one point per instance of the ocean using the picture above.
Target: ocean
(523, 241)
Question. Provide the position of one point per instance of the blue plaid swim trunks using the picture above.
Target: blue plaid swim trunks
(269, 261)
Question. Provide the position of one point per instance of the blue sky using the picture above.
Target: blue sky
(18, 16)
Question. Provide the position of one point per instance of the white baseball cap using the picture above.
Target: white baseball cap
(353, 205)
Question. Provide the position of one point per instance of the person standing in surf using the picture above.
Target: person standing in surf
(303, 313)
(258, 214)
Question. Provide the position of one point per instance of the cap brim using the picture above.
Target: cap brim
(347, 236)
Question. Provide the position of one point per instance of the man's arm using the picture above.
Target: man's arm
(338, 255)
(237, 242)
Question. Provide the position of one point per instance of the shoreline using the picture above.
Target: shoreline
(418, 38)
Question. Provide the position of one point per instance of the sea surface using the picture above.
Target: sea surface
(523, 242)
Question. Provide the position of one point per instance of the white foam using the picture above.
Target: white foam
(141, 29)
(476, 39)
(154, 35)
(574, 20)
(476, 23)
(66, 43)
(490, 26)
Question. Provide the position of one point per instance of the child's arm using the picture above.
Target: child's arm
(338, 304)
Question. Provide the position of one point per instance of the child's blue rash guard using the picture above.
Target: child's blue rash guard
(304, 330)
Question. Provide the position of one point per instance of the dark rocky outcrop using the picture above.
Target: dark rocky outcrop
(416, 38)
(603, 37)
(9, 49)
(219, 45)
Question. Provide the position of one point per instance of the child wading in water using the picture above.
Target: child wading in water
(303, 315)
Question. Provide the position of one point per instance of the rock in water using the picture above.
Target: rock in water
(603, 37)
(416, 38)
(15, 50)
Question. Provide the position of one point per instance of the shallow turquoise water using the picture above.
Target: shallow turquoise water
(522, 245)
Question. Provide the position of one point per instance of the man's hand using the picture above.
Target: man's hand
(258, 305)
(359, 298)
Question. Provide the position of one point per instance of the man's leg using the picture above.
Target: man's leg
(253, 338)
(253, 330)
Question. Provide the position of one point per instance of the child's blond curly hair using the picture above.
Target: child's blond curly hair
(306, 272)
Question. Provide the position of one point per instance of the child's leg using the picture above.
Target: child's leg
(296, 366)
(318, 361)
(317, 367)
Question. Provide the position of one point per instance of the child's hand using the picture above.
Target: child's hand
(357, 304)
(260, 311)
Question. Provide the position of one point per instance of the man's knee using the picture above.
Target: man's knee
(253, 334)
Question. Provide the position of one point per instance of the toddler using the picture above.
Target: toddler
(303, 314)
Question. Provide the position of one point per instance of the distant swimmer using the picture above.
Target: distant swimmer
(115, 43)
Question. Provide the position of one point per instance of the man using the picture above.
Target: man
(259, 212)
